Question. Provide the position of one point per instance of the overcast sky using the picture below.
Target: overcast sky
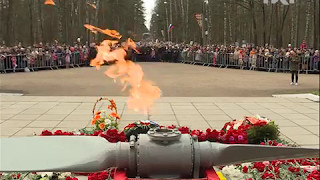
(148, 5)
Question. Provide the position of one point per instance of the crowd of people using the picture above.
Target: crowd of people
(46, 54)
(57, 54)
(175, 52)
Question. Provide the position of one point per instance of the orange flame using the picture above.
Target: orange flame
(49, 2)
(111, 33)
(92, 5)
(142, 93)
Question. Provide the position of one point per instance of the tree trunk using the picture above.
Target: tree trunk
(316, 25)
(297, 24)
(307, 25)
(40, 21)
(264, 23)
(31, 20)
(271, 24)
(254, 21)
(183, 21)
(225, 23)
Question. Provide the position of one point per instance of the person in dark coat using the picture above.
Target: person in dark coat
(92, 54)
(294, 67)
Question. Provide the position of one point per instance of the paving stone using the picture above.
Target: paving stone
(6, 116)
(181, 104)
(11, 111)
(82, 112)
(60, 111)
(6, 131)
(313, 129)
(78, 117)
(183, 108)
(160, 110)
(285, 123)
(271, 105)
(273, 116)
(189, 111)
(217, 124)
(31, 131)
(313, 116)
(217, 117)
(43, 124)
(306, 122)
(187, 117)
(15, 124)
(73, 124)
(195, 125)
(211, 107)
(53, 117)
(26, 103)
(238, 116)
(129, 117)
(159, 117)
(299, 100)
(251, 106)
(305, 139)
(283, 110)
(260, 111)
(226, 106)
(129, 111)
(295, 116)
(168, 123)
(306, 110)
(207, 111)
(288, 131)
(36, 111)
(203, 104)
(66, 129)
(25, 117)
(297, 119)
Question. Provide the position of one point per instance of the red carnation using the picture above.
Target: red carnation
(184, 130)
(122, 137)
(201, 136)
(267, 175)
(58, 133)
(245, 169)
(46, 133)
(111, 135)
(130, 126)
(172, 127)
(259, 166)
(212, 135)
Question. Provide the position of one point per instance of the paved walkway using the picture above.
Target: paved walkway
(174, 79)
(298, 119)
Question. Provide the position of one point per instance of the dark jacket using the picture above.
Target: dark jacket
(92, 53)
(294, 63)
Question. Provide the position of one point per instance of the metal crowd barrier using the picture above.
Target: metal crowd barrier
(24, 62)
(263, 63)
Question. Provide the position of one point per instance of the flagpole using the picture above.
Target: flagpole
(171, 20)
(165, 3)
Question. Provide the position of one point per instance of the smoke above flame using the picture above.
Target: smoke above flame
(142, 92)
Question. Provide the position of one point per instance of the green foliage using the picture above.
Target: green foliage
(31, 21)
(258, 134)
(316, 93)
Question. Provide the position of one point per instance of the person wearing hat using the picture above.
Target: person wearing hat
(294, 67)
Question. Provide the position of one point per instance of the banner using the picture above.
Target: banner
(170, 27)
(199, 19)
